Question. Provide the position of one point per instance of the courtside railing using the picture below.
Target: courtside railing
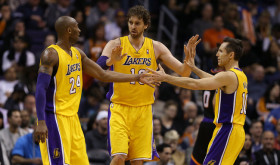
(172, 35)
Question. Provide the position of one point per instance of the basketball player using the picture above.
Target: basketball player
(58, 94)
(130, 114)
(206, 127)
(230, 104)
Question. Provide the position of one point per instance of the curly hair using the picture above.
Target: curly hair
(141, 13)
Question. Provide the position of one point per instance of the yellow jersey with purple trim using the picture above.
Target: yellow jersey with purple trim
(231, 108)
(65, 89)
(133, 93)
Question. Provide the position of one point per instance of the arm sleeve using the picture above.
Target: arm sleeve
(102, 62)
(43, 82)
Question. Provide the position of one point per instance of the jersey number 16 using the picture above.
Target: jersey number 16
(132, 70)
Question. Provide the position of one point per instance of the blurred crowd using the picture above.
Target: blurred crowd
(27, 28)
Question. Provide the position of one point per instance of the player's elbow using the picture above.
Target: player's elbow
(196, 87)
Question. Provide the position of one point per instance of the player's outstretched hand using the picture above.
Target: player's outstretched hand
(190, 50)
(41, 131)
(116, 54)
(158, 76)
(146, 78)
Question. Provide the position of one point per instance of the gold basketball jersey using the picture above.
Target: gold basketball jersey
(231, 108)
(65, 89)
(133, 93)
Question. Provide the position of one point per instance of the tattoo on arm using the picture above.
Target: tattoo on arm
(49, 60)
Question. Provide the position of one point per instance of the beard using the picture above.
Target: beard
(137, 35)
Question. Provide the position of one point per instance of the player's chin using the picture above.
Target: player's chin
(135, 35)
(75, 40)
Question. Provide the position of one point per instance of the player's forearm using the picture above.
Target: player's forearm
(96, 71)
(200, 73)
(43, 82)
(185, 71)
(183, 82)
(111, 76)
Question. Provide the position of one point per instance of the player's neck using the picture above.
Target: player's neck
(136, 42)
(64, 44)
(231, 64)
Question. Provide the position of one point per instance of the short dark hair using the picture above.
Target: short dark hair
(234, 45)
(141, 13)
(10, 112)
(161, 147)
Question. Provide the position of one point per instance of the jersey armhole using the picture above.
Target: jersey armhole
(157, 60)
(120, 40)
(237, 81)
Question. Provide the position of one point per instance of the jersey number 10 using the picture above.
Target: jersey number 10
(244, 103)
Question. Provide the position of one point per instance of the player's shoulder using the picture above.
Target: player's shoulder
(82, 53)
(49, 55)
(50, 52)
(226, 75)
(78, 49)
(158, 44)
(114, 42)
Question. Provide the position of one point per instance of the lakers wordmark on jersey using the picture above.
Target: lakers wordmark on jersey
(133, 93)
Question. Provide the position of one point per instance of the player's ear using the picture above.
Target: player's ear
(231, 55)
(145, 27)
